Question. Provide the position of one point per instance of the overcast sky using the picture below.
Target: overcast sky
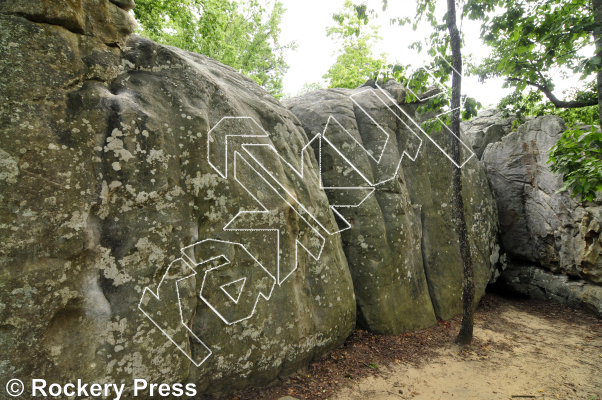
(305, 22)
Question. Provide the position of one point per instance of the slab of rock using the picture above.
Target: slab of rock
(402, 248)
(539, 283)
(105, 176)
(538, 224)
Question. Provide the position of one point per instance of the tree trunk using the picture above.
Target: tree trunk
(466, 330)
(597, 8)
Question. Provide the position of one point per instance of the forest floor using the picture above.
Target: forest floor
(522, 349)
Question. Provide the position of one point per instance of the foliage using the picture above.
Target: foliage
(437, 72)
(355, 63)
(533, 41)
(241, 34)
(310, 87)
(532, 104)
(578, 155)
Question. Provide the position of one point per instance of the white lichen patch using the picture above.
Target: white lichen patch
(116, 145)
(9, 167)
(106, 263)
(201, 181)
(148, 254)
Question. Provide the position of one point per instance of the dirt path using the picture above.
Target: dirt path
(526, 355)
(521, 348)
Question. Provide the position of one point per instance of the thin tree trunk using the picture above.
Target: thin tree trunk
(597, 9)
(466, 330)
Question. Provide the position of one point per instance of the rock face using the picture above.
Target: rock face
(487, 127)
(107, 20)
(402, 248)
(537, 224)
(539, 283)
(108, 170)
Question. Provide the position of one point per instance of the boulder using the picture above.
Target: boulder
(125, 251)
(402, 248)
(538, 224)
(489, 126)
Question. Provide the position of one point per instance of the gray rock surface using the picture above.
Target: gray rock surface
(402, 248)
(539, 283)
(105, 177)
(538, 224)
(107, 20)
(487, 127)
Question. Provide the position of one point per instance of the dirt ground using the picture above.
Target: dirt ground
(522, 349)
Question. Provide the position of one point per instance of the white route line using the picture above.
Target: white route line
(209, 140)
(244, 280)
(371, 119)
(292, 206)
(429, 136)
(157, 296)
(403, 153)
(444, 88)
(472, 154)
(223, 264)
(292, 195)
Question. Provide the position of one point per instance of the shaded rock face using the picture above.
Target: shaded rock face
(487, 127)
(537, 224)
(539, 283)
(106, 174)
(402, 248)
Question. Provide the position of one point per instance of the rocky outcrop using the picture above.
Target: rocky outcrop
(108, 170)
(539, 283)
(537, 223)
(488, 127)
(402, 247)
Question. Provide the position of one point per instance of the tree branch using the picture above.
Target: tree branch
(557, 102)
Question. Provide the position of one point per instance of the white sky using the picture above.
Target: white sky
(305, 22)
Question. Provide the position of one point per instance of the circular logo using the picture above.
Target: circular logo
(15, 387)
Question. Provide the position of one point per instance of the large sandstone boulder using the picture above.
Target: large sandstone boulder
(402, 248)
(108, 170)
(537, 223)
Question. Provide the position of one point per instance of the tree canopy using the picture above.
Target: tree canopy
(536, 42)
(437, 71)
(241, 34)
(355, 63)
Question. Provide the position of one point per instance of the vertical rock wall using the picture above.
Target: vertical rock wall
(537, 223)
